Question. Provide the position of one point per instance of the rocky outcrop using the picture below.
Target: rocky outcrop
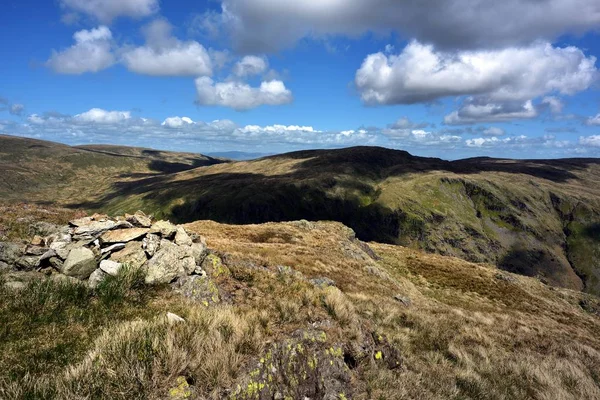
(93, 248)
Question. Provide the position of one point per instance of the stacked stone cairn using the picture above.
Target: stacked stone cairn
(91, 248)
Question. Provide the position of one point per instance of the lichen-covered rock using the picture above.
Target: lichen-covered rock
(386, 352)
(199, 252)
(80, 263)
(164, 228)
(213, 265)
(122, 235)
(182, 390)
(198, 288)
(304, 366)
(182, 238)
(322, 282)
(166, 264)
(28, 263)
(96, 278)
(132, 255)
(151, 244)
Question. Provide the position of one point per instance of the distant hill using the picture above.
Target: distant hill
(534, 217)
(238, 155)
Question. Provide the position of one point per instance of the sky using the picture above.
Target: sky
(440, 78)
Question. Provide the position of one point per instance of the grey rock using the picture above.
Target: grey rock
(56, 263)
(199, 252)
(122, 235)
(133, 255)
(11, 252)
(80, 263)
(505, 277)
(92, 230)
(164, 228)
(166, 265)
(182, 238)
(139, 219)
(404, 300)
(96, 278)
(47, 255)
(151, 244)
(322, 282)
(110, 267)
(4, 267)
(28, 263)
(35, 250)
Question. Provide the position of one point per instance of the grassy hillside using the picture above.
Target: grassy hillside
(399, 324)
(534, 217)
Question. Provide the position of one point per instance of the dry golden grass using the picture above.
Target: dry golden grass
(466, 334)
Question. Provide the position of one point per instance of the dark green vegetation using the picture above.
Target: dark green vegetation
(535, 217)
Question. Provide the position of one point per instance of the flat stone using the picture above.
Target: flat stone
(174, 318)
(110, 267)
(114, 247)
(96, 277)
(35, 250)
(93, 229)
(139, 219)
(164, 228)
(80, 263)
(182, 238)
(133, 255)
(47, 255)
(37, 241)
(122, 235)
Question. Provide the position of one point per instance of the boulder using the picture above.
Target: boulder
(11, 252)
(110, 267)
(151, 244)
(182, 238)
(80, 263)
(214, 266)
(139, 219)
(132, 255)
(28, 263)
(164, 228)
(96, 277)
(122, 235)
(166, 265)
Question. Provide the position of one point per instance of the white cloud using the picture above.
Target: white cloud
(420, 74)
(593, 120)
(92, 52)
(473, 111)
(494, 141)
(107, 10)
(249, 66)
(16, 109)
(593, 141)
(268, 25)
(165, 55)
(100, 116)
(241, 96)
(493, 131)
(554, 103)
(177, 122)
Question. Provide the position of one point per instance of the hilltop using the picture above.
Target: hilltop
(538, 218)
(297, 309)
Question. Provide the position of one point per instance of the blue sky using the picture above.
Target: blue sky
(437, 78)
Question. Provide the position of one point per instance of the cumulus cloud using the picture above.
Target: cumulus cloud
(107, 10)
(593, 141)
(494, 141)
(241, 96)
(593, 120)
(479, 110)
(92, 52)
(165, 55)
(177, 122)
(250, 66)
(420, 74)
(554, 104)
(268, 25)
(100, 116)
